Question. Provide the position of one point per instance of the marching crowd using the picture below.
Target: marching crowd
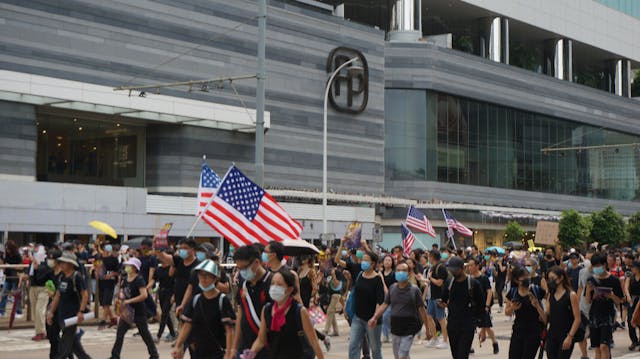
(266, 305)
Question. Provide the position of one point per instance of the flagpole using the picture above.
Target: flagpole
(449, 231)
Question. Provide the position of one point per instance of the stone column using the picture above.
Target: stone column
(494, 39)
(406, 21)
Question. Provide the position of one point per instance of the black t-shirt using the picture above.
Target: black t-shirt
(574, 275)
(132, 290)
(603, 309)
(439, 271)
(182, 277)
(354, 269)
(110, 265)
(70, 289)
(369, 292)
(527, 316)
(161, 276)
(460, 307)
(634, 286)
(485, 284)
(545, 265)
(389, 279)
(147, 262)
(10, 273)
(208, 319)
(259, 295)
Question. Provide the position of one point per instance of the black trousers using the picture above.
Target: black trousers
(554, 349)
(165, 307)
(460, 339)
(70, 344)
(143, 328)
(499, 288)
(524, 344)
(633, 332)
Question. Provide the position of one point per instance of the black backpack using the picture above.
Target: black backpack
(307, 349)
(476, 304)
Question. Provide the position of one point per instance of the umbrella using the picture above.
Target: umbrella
(495, 248)
(135, 242)
(515, 245)
(298, 247)
(16, 301)
(104, 228)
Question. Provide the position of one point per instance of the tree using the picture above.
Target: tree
(607, 226)
(513, 231)
(573, 228)
(633, 229)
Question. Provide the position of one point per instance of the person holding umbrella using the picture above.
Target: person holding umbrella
(70, 300)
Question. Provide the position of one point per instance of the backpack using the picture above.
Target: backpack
(350, 306)
(194, 303)
(307, 349)
(476, 304)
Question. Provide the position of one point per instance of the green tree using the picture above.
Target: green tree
(607, 226)
(573, 228)
(633, 228)
(513, 231)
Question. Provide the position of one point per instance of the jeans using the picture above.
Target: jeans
(460, 339)
(386, 323)
(524, 344)
(360, 328)
(633, 332)
(143, 328)
(9, 285)
(69, 343)
(165, 307)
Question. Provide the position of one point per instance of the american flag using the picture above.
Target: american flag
(209, 183)
(407, 239)
(244, 213)
(418, 221)
(452, 223)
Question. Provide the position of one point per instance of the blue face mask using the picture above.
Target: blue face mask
(344, 253)
(486, 258)
(108, 248)
(365, 265)
(182, 253)
(265, 257)
(529, 269)
(402, 276)
(206, 289)
(201, 256)
(359, 254)
(598, 270)
(247, 274)
(444, 255)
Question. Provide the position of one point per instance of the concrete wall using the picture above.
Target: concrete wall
(17, 140)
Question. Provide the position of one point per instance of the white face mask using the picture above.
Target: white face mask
(277, 293)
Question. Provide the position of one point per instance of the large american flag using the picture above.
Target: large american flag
(407, 239)
(418, 221)
(244, 213)
(452, 223)
(209, 183)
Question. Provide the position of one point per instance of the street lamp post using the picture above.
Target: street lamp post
(324, 143)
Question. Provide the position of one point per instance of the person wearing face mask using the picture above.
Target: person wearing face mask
(548, 261)
(632, 292)
(184, 279)
(252, 296)
(107, 272)
(41, 270)
(336, 289)
(309, 281)
(165, 283)
(388, 273)
(563, 313)
(285, 324)
(134, 292)
(485, 323)
(148, 267)
(369, 295)
(531, 265)
(436, 278)
(408, 314)
(583, 278)
(603, 292)
(209, 318)
(465, 299)
(524, 299)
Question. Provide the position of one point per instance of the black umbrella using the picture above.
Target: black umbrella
(135, 242)
(513, 245)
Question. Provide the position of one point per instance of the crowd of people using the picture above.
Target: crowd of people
(265, 304)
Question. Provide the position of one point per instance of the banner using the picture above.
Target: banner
(354, 235)
(160, 240)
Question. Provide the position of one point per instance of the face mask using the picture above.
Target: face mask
(201, 256)
(128, 269)
(402, 276)
(525, 282)
(569, 265)
(247, 274)
(206, 289)
(549, 256)
(529, 269)
(444, 255)
(51, 262)
(183, 253)
(265, 257)
(277, 293)
(598, 270)
(486, 258)
(359, 254)
(344, 253)
(552, 286)
(365, 265)
(108, 248)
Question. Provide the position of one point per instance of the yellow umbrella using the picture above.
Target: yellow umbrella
(104, 228)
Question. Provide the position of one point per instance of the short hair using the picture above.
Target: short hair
(277, 248)
(190, 242)
(374, 257)
(246, 253)
(435, 254)
(435, 246)
(475, 261)
(598, 259)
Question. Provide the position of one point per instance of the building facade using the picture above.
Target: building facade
(483, 108)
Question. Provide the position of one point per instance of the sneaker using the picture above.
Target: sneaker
(79, 333)
(327, 343)
(500, 309)
(472, 351)
(432, 343)
(385, 339)
(170, 338)
(38, 337)
(633, 347)
(102, 325)
(18, 316)
(442, 345)
(496, 349)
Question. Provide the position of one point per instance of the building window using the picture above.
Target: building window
(78, 147)
(483, 144)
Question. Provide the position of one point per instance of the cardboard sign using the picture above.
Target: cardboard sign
(547, 233)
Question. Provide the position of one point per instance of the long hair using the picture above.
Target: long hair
(11, 248)
(564, 277)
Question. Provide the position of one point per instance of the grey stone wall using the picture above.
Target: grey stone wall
(17, 139)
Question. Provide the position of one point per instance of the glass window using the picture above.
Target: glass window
(76, 147)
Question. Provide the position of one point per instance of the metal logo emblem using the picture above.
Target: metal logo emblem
(350, 88)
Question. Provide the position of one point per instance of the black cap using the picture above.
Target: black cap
(574, 255)
(455, 262)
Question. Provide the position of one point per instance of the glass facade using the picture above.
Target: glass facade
(629, 7)
(434, 136)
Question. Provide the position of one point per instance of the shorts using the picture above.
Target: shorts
(601, 335)
(105, 296)
(485, 321)
(434, 310)
(401, 345)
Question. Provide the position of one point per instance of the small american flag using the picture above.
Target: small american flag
(209, 183)
(407, 239)
(452, 223)
(244, 213)
(418, 221)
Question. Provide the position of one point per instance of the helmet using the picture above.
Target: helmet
(208, 266)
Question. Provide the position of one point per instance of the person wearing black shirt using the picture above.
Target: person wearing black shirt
(389, 275)
(252, 296)
(40, 273)
(148, 267)
(369, 294)
(134, 291)
(485, 324)
(524, 300)
(548, 261)
(165, 283)
(108, 271)
(12, 256)
(184, 263)
(563, 312)
(465, 299)
(208, 318)
(70, 300)
(436, 278)
(632, 292)
(501, 279)
(603, 291)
